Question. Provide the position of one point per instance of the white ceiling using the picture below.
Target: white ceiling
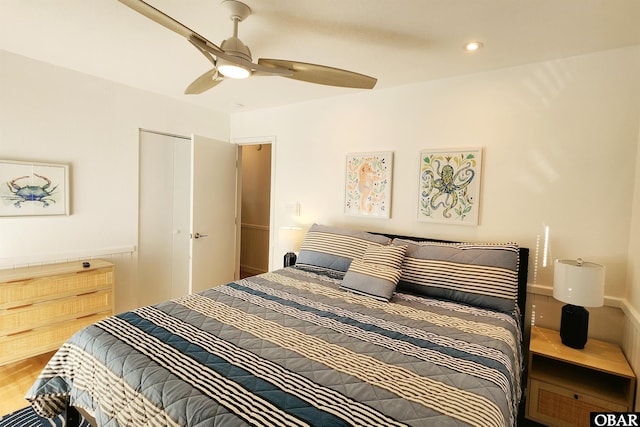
(397, 41)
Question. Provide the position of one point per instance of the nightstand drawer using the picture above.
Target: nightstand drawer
(560, 406)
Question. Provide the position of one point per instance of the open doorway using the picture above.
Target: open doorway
(255, 217)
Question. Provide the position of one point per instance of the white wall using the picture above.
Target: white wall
(631, 341)
(560, 141)
(560, 138)
(633, 271)
(50, 114)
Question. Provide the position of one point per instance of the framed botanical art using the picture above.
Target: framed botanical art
(368, 184)
(28, 188)
(450, 185)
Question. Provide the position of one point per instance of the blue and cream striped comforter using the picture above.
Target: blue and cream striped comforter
(289, 348)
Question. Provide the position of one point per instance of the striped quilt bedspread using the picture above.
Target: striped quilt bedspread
(289, 348)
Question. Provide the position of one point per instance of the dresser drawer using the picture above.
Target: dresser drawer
(23, 292)
(42, 306)
(35, 315)
(41, 340)
(554, 405)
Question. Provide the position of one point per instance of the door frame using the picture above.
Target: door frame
(254, 140)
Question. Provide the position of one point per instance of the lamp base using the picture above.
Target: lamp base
(574, 326)
(290, 259)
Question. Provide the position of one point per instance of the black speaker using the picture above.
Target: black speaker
(574, 326)
(290, 259)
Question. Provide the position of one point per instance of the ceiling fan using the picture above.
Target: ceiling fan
(233, 58)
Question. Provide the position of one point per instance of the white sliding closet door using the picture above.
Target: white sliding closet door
(164, 217)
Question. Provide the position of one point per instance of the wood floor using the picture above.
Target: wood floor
(16, 379)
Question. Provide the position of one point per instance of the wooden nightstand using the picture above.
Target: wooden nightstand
(566, 384)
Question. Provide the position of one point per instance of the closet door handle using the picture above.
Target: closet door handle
(198, 235)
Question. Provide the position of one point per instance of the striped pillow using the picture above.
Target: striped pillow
(391, 256)
(334, 248)
(374, 280)
(483, 275)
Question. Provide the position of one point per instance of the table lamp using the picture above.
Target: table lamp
(290, 239)
(579, 284)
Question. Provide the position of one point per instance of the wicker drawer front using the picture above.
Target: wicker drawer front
(41, 340)
(32, 316)
(28, 291)
(42, 306)
(553, 405)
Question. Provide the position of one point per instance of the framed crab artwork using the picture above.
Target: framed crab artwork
(32, 189)
(450, 186)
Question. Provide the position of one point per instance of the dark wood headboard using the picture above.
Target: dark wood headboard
(523, 268)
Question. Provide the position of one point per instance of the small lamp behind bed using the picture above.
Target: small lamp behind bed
(290, 239)
(579, 284)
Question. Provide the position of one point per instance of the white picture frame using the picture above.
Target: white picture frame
(33, 189)
(449, 185)
(368, 184)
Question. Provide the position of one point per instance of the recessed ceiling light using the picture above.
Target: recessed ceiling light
(473, 46)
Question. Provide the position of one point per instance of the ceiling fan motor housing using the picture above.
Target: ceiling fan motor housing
(234, 46)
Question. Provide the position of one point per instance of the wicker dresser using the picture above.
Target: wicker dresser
(41, 307)
(566, 384)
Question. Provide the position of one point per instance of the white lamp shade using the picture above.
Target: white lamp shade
(290, 238)
(579, 283)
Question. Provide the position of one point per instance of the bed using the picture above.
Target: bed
(366, 329)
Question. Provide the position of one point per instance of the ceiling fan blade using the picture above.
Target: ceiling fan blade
(166, 21)
(206, 53)
(204, 82)
(321, 74)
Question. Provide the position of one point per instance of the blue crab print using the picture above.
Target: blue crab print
(31, 193)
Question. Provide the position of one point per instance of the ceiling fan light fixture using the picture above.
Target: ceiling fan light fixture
(231, 70)
(233, 46)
